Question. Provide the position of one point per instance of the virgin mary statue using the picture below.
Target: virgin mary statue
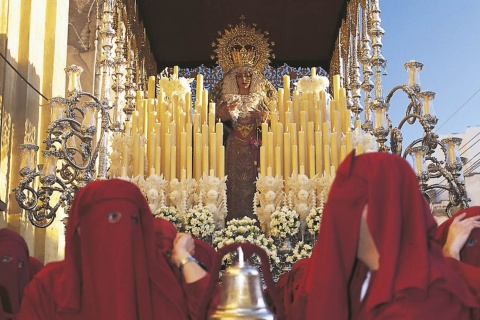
(243, 100)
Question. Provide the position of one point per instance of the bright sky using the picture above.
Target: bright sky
(445, 36)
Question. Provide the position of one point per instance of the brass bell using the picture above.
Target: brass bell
(241, 295)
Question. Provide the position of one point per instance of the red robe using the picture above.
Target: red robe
(413, 281)
(111, 268)
(16, 270)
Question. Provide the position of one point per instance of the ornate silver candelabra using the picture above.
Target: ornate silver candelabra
(433, 173)
(76, 143)
(72, 147)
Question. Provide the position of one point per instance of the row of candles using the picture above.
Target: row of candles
(179, 143)
(307, 134)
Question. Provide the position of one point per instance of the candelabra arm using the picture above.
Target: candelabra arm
(37, 203)
(410, 118)
(408, 148)
(457, 196)
(405, 88)
(23, 200)
(88, 94)
(454, 198)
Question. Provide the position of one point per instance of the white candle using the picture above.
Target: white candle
(318, 152)
(270, 149)
(173, 163)
(326, 157)
(278, 161)
(197, 169)
(141, 160)
(301, 148)
(333, 148)
(219, 132)
(213, 151)
(286, 155)
(295, 159)
(211, 118)
(136, 146)
(151, 149)
(189, 161)
(263, 164)
(151, 87)
(204, 106)
(175, 72)
(336, 86)
(183, 150)
(205, 160)
(333, 171)
(221, 162)
(199, 88)
(167, 156)
(311, 161)
(281, 106)
(286, 86)
(158, 161)
(302, 170)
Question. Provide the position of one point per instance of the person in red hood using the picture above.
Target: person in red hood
(460, 238)
(375, 257)
(111, 268)
(16, 270)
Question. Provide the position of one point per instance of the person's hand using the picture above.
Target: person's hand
(183, 247)
(229, 106)
(257, 115)
(224, 109)
(458, 233)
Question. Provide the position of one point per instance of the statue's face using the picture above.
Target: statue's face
(244, 78)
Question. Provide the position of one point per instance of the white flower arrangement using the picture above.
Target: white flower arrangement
(141, 183)
(155, 191)
(172, 85)
(199, 222)
(245, 230)
(312, 84)
(213, 195)
(268, 198)
(169, 214)
(300, 251)
(284, 223)
(366, 140)
(182, 195)
(314, 219)
(302, 196)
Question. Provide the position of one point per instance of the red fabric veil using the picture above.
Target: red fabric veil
(14, 269)
(110, 267)
(402, 227)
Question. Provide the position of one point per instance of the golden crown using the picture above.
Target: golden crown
(243, 45)
(243, 57)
